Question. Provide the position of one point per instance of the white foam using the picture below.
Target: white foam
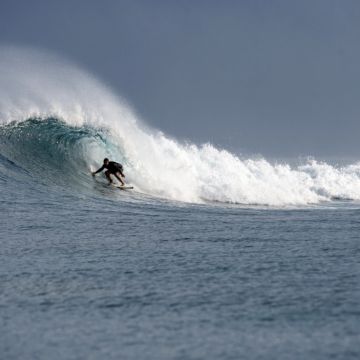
(37, 84)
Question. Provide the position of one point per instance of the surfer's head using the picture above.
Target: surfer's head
(106, 161)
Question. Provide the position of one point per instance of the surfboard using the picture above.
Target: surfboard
(125, 187)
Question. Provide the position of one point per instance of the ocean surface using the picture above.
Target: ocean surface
(211, 256)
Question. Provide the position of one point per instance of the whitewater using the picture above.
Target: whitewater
(42, 87)
(213, 255)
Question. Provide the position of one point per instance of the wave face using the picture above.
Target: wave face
(58, 123)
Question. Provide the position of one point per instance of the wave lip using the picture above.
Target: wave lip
(59, 121)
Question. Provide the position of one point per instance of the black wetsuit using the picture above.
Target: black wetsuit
(113, 167)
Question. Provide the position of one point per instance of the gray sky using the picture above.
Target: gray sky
(279, 77)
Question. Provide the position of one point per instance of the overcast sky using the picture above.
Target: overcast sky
(276, 77)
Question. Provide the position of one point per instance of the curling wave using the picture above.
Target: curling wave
(58, 123)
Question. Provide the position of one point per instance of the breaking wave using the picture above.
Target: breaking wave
(58, 123)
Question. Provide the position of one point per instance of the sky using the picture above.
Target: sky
(277, 78)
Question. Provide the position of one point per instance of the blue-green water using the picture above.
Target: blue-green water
(91, 272)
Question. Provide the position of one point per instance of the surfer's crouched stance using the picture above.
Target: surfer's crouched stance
(113, 168)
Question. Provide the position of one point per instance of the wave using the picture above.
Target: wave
(58, 122)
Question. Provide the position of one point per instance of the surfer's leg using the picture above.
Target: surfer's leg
(107, 174)
(120, 179)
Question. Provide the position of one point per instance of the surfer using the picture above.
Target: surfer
(113, 168)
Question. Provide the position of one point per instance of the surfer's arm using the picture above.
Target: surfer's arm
(97, 171)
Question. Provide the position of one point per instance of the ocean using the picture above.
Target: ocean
(213, 255)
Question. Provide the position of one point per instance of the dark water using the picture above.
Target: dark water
(104, 274)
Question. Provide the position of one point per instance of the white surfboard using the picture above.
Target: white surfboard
(125, 187)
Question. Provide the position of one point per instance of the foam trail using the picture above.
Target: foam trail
(38, 85)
